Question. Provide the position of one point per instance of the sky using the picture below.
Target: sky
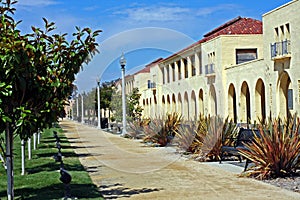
(144, 30)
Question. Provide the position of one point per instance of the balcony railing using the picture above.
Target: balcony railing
(280, 49)
(210, 69)
(151, 85)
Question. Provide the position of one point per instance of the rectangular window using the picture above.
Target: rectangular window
(168, 74)
(193, 65)
(173, 71)
(179, 69)
(245, 55)
(186, 71)
(287, 35)
(276, 34)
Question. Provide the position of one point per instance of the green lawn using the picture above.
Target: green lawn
(41, 181)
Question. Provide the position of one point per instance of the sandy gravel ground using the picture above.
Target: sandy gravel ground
(127, 169)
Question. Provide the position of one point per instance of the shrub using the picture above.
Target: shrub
(162, 131)
(276, 152)
(186, 137)
(206, 136)
(216, 136)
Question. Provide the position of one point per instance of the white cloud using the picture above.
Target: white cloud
(212, 10)
(154, 13)
(40, 3)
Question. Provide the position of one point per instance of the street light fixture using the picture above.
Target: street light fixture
(123, 63)
(98, 101)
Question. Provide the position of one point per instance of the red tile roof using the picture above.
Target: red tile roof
(148, 66)
(236, 26)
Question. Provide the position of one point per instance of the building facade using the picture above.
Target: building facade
(244, 69)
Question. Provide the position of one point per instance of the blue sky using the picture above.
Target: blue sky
(144, 30)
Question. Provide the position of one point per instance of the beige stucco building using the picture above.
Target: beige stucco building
(244, 69)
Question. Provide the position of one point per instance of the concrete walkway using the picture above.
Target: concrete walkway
(127, 169)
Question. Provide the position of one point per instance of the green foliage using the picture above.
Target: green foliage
(276, 152)
(42, 173)
(116, 106)
(38, 70)
(134, 109)
(106, 92)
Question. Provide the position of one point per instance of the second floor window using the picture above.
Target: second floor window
(245, 55)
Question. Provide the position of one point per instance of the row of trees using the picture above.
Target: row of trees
(110, 99)
(36, 77)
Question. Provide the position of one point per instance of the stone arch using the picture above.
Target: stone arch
(168, 104)
(260, 100)
(186, 108)
(193, 109)
(201, 102)
(283, 85)
(245, 106)
(179, 105)
(173, 103)
(232, 111)
(163, 105)
(213, 109)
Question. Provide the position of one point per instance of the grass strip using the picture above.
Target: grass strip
(41, 180)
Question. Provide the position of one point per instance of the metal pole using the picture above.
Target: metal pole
(82, 110)
(123, 101)
(77, 113)
(99, 109)
(72, 110)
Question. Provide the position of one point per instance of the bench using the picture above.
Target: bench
(245, 136)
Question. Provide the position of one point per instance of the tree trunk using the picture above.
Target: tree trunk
(23, 156)
(29, 148)
(9, 163)
(34, 141)
(39, 136)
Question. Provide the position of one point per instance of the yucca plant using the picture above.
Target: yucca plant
(172, 123)
(276, 152)
(162, 131)
(201, 132)
(186, 137)
(218, 132)
(135, 130)
(152, 129)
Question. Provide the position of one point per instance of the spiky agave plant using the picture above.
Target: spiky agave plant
(152, 129)
(276, 153)
(135, 130)
(162, 131)
(186, 137)
(172, 123)
(216, 136)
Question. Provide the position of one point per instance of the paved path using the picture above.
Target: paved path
(127, 169)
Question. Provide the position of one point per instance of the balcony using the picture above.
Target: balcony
(151, 85)
(281, 50)
(210, 69)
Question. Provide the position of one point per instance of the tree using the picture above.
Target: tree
(134, 109)
(106, 93)
(37, 70)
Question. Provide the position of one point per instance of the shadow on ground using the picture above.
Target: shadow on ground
(118, 191)
(57, 191)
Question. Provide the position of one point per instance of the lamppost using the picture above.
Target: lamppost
(123, 63)
(98, 101)
(77, 108)
(82, 110)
